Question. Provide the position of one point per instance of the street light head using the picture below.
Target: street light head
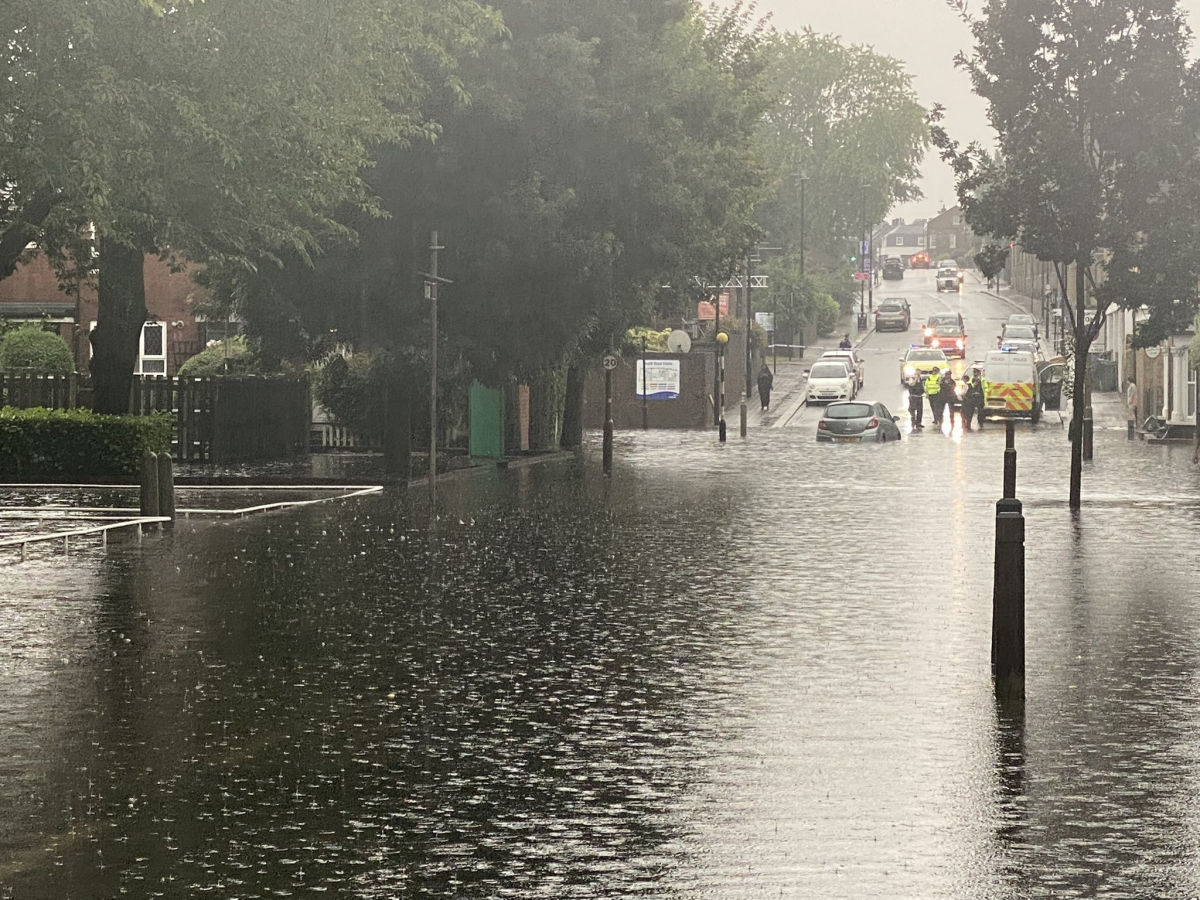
(722, 337)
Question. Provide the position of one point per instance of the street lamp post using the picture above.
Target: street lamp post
(432, 280)
(722, 340)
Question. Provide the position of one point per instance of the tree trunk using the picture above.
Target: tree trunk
(1079, 399)
(545, 409)
(572, 429)
(119, 319)
(397, 429)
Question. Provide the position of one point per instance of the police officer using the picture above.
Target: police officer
(933, 387)
(977, 391)
(916, 401)
(947, 395)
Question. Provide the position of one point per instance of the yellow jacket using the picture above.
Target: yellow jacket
(933, 383)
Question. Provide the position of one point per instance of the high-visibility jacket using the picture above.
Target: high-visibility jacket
(933, 383)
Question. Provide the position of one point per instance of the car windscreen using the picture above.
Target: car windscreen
(1018, 333)
(944, 320)
(849, 411)
(828, 370)
(890, 307)
(946, 329)
(926, 356)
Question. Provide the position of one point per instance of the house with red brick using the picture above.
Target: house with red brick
(170, 334)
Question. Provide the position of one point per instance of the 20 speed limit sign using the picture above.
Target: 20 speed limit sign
(609, 361)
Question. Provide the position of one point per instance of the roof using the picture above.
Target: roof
(44, 310)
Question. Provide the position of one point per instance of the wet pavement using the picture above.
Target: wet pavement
(750, 670)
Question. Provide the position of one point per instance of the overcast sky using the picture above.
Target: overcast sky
(924, 35)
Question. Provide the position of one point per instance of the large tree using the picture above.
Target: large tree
(1094, 169)
(608, 149)
(225, 130)
(843, 139)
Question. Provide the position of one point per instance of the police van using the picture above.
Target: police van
(1011, 386)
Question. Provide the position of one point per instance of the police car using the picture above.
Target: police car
(919, 361)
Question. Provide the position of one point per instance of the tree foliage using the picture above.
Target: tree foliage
(1093, 106)
(228, 130)
(991, 258)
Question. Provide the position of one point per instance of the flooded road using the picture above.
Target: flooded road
(751, 670)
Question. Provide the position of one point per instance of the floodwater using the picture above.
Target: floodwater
(752, 670)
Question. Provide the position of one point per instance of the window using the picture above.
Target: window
(899, 240)
(152, 352)
(1191, 392)
(953, 241)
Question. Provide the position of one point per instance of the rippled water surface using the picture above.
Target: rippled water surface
(756, 670)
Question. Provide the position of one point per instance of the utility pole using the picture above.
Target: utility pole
(432, 280)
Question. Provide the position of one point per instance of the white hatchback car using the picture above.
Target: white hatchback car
(830, 380)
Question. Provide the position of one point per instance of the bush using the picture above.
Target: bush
(31, 347)
(229, 357)
(829, 313)
(77, 445)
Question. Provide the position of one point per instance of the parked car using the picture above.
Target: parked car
(893, 313)
(920, 361)
(1023, 319)
(1019, 337)
(857, 421)
(946, 331)
(947, 279)
(830, 380)
(851, 356)
(893, 268)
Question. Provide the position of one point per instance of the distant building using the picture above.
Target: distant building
(170, 335)
(950, 237)
(902, 239)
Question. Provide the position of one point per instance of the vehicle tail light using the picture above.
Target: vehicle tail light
(874, 423)
(821, 425)
(935, 342)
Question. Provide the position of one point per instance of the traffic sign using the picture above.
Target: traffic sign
(861, 276)
(609, 362)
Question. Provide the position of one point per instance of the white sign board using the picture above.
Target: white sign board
(661, 381)
(765, 320)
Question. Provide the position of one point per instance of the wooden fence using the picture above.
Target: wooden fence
(50, 391)
(217, 420)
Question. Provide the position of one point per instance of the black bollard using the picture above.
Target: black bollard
(1010, 462)
(166, 486)
(1008, 587)
(1129, 428)
(1087, 432)
(149, 494)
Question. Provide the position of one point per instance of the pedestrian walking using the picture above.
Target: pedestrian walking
(933, 387)
(948, 395)
(916, 402)
(765, 382)
(846, 343)
(1131, 399)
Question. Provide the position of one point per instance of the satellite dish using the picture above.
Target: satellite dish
(678, 341)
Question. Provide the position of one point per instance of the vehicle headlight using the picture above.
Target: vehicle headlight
(909, 371)
(959, 343)
(928, 332)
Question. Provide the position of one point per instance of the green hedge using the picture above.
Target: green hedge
(77, 445)
(31, 347)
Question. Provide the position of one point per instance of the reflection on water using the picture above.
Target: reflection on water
(739, 671)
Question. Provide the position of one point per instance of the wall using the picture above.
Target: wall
(692, 409)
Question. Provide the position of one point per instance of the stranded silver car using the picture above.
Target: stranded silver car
(857, 421)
